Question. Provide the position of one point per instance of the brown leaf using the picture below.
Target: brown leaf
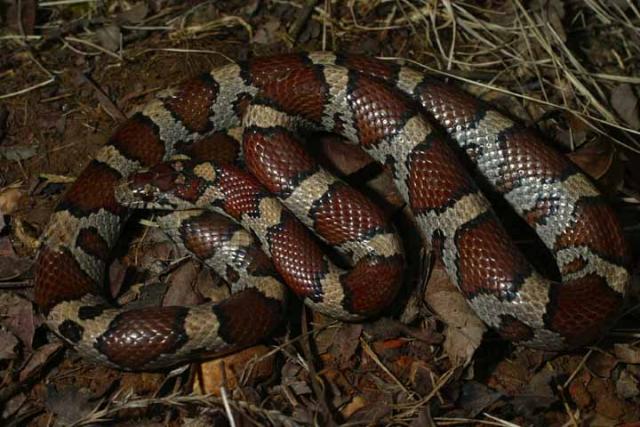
(537, 394)
(421, 377)
(117, 275)
(509, 378)
(181, 282)
(6, 247)
(17, 315)
(246, 367)
(290, 373)
(12, 267)
(476, 397)
(25, 233)
(602, 364)
(627, 353)
(602, 161)
(594, 158)
(70, 404)
(384, 185)
(10, 198)
(109, 37)
(8, 343)
(140, 382)
(555, 13)
(464, 329)
(18, 152)
(13, 405)
(627, 385)
(387, 328)
(625, 102)
(133, 15)
(268, 32)
(358, 402)
(345, 342)
(571, 131)
(39, 357)
(579, 392)
(376, 409)
(610, 406)
(346, 158)
(250, 7)
(158, 252)
(211, 286)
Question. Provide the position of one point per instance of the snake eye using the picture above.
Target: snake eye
(147, 193)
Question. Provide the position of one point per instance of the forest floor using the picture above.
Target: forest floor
(71, 71)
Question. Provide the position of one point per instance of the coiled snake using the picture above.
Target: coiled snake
(386, 109)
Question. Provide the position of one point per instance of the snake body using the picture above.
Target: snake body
(386, 109)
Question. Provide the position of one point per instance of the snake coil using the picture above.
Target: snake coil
(383, 107)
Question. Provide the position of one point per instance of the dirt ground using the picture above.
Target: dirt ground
(71, 71)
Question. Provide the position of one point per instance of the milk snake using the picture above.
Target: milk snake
(388, 110)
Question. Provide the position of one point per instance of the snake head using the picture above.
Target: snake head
(166, 186)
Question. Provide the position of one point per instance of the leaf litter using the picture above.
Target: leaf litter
(70, 71)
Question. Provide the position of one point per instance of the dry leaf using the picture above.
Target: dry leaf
(627, 385)
(611, 407)
(13, 267)
(13, 405)
(70, 404)
(25, 234)
(625, 102)
(579, 392)
(8, 343)
(181, 282)
(627, 353)
(17, 315)
(476, 397)
(603, 162)
(346, 158)
(421, 377)
(250, 7)
(358, 402)
(267, 33)
(140, 382)
(595, 159)
(571, 131)
(39, 357)
(345, 342)
(134, 15)
(6, 247)
(509, 377)
(384, 185)
(246, 367)
(18, 152)
(49, 178)
(554, 15)
(10, 200)
(464, 329)
(211, 286)
(602, 364)
(537, 394)
(117, 276)
(109, 37)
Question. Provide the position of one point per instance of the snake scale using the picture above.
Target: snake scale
(387, 109)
